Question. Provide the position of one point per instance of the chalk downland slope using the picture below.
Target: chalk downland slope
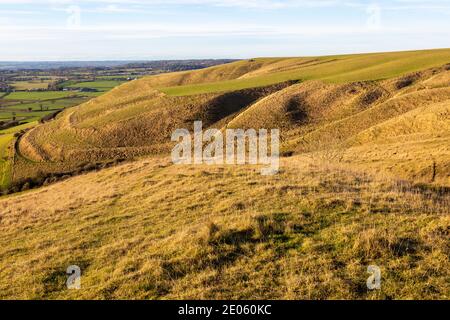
(136, 119)
(367, 183)
(153, 230)
(331, 69)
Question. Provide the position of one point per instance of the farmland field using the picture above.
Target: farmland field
(30, 108)
(99, 85)
(30, 85)
(51, 104)
(39, 95)
(18, 128)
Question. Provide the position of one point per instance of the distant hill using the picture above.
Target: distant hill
(167, 65)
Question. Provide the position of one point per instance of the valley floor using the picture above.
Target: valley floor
(152, 230)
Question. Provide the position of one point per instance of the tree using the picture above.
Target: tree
(14, 116)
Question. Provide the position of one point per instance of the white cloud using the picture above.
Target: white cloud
(249, 4)
(19, 12)
(263, 4)
(160, 30)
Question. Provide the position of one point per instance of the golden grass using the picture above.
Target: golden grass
(370, 186)
(153, 230)
(30, 85)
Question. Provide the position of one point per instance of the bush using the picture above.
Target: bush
(26, 186)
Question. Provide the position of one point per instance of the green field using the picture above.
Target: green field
(5, 115)
(334, 69)
(93, 94)
(99, 85)
(112, 78)
(52, 104)
(29, 112)
(39, 95)
(17, 128)
(32, 106)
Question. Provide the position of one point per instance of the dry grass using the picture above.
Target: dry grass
(153, 230)
(370, 186)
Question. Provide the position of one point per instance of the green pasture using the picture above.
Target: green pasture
(103, 85)
(39, 95)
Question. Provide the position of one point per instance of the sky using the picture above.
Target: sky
(59, 30)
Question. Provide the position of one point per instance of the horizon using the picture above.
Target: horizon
(123, 30)
(219, 58)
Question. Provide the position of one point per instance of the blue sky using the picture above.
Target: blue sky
(180, 29)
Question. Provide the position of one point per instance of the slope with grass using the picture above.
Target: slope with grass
(153, 230)
(5, 162)
(333, 69)
(7, 139)
(368, 184)
(136, 119)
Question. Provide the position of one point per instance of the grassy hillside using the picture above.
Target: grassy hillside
(7, 152)
(334, 69)
(364, 180)
(136, 119)
(152, 230)
(5, 164)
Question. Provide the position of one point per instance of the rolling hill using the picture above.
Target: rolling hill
(365, 179)
(333, 69)
(137, 118)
